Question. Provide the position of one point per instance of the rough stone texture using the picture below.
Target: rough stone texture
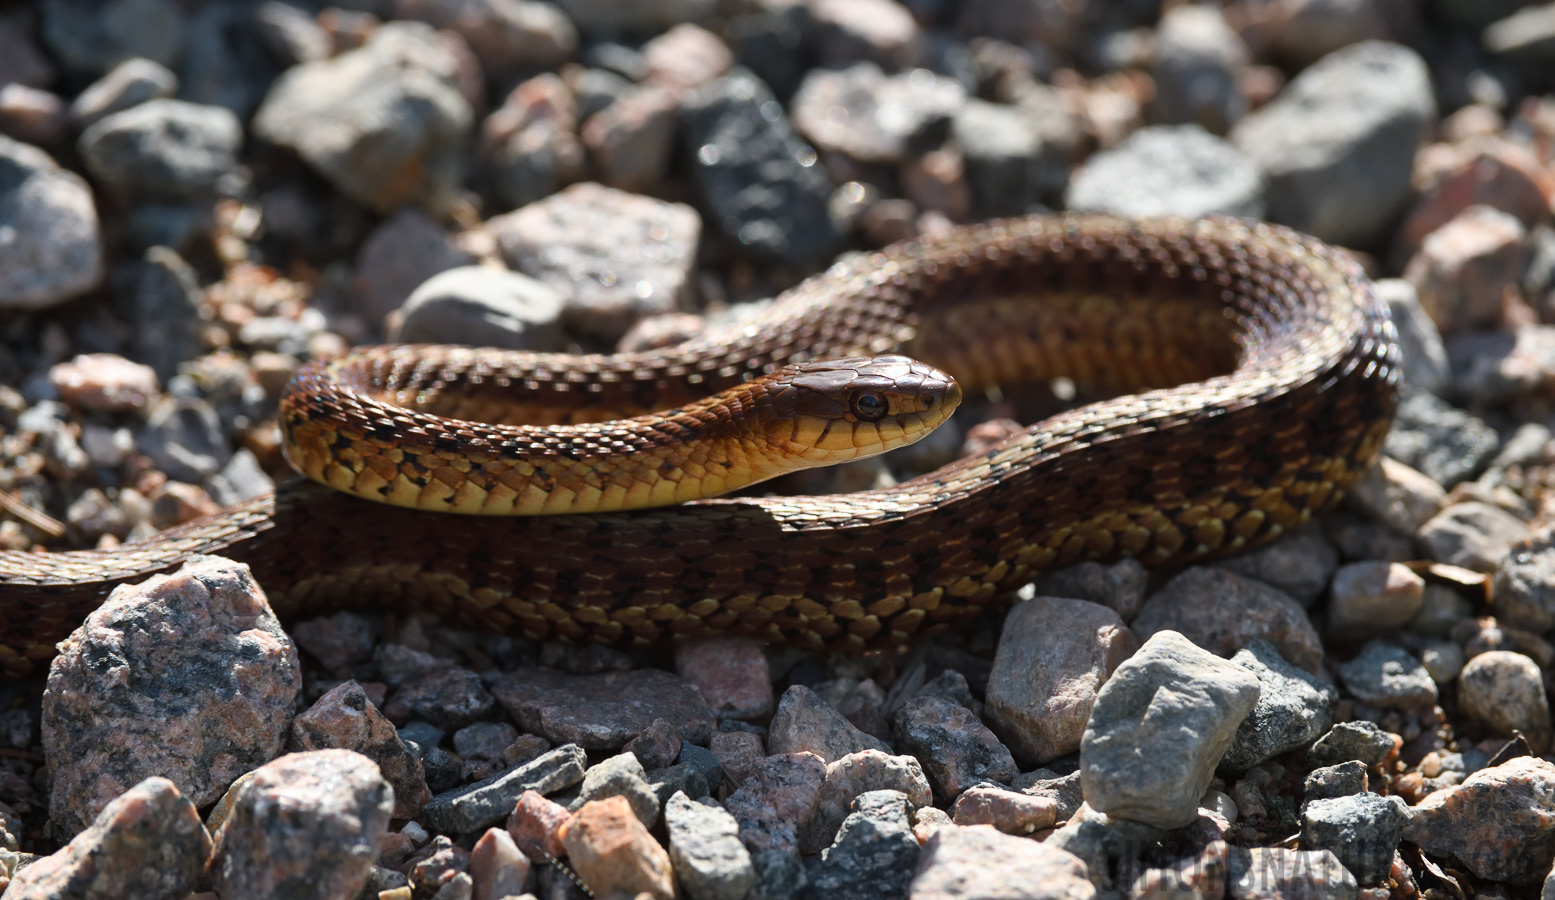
(760, 183)
(398, 256)
(1446, 444)
(873, 117)
(1385, 674)
(1523, 592)
(1294, 708)
(1159, 727)
(738, 752)
(535, 825)
(529, 146)
(345, 719)
(1372, 597)
(385, 124)
(614, 257)
(1300, 564)
(1398, 496)
(1362, 830)
(448, 697)
(52, 251)
(777, 799)
(482, 307)
(685, 56)
(613, 853)
(487, 802)
(1222, 612)
(1268, 873)
(602, 712)
(1009, 811)
(731, 674)
(1505, 691)
(1045, 678)
(1120, 586)
(1360, 741)
(1337, 144)
(979, 862)
(620, 776)
(1342, 780)
(955, 748)
(855, 774)
(1499, 823)
(307, 825)
(162, 148)
(148, 843)
(804, 721)
(874, 853)
(709, 860)
(498, 868)
(187, 676)
(1425, 359)
(1169, 170)
(1465, 268)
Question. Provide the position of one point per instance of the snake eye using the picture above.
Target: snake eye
(869, 406)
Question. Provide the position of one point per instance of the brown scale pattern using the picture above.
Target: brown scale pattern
(1292, 371)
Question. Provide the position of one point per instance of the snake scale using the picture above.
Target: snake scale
(1265, 374)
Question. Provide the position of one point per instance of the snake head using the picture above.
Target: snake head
(835, 410)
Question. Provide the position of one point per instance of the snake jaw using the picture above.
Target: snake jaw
(837, 410)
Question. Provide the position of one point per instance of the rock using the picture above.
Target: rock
(779, 876)
(486, 802)
(1496, 366)
(187, 676)
(54, 252)
(1362, 830)
(613, 853)
(872, 117)
(1499, 823)
(1505, 691)
(1222, 612)
(332, 113)
(1159, 727)
(507, 36)
(1373, 597)
(1301, 564)
(225, 61)
(1465, 268)
(162, 148)
(1063, 790)
(1337, 144)
(730, 673)
(482, 307)
(448, 697)
(1175, 170)
(685, 57)
(104, 382)
(130, 83)
(854, 775)
(622, 15)
(1385, 674)
(1294, 708)
(601, 712)
(1398, 496)
(90, 38)
(1446, 444)
(632, 139)
(620, 776)
(344, 719)
(1198, 66)
(1054, 655)
(1268, 872)
(400, 256)
(32, 116)
(21, 60)
(1009, 811)
(656, 746)
(1425, 359)
(760, 185)
(1488, 170)
(1343, 780)
(615, 257)
(168, 326)
(704, 845)
(978, 861)
(530, 146)
(845, 31)
(874, 854)
(497, 868)
(738, 752)
(1360, 741)
(1523, 592)
(1008, 165)
(306, 825)
(535, 826)
(954, 747)
(804, 721)
(1473, 535)
(1120, 586)
(148, 842)
(779, 797)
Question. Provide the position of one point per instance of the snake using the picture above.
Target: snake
(1250, 372)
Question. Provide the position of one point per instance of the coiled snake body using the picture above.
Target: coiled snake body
(1268, 373)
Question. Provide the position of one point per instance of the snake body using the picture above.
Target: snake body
(1266, 371)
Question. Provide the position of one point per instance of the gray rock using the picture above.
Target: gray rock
(705, 850)
(1359, 741)
(1342, 780)
(482, 307)
(1299, 564)
(601, 712)
(1159, 727)
(1362, 830)
(1473, 535)
(292, 33)
(760, 183)
(1294, 708)
(1199, 61)
(874, 854)
(491, 800)
(803, 721)
(509, 37)
(1222, 612)
(53, 251)
(90, 38)
(779, 875)
(954, 747)
(240, 480)
(1009, 167)
(620, 776)
(872, 117)
(225, 62)
(979, 862)
(615, 257)
(1268, 872)
(1499, 823)
(128, 84)
(167, 319)
(184, 438)
(400, 256)
(385, 124)
(1505, 691)
(1425, 358)
(630, 16)
(1338, 144)
(162, 148)
(1386, 674)
(854, 775)
(1169, 170)
(1447, 444)
(1523, 592)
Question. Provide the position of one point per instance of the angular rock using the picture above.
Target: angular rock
(1499, 823)
(709, 860)
(1294, 708)
(601, 712)
(955, 748)
(489, 801)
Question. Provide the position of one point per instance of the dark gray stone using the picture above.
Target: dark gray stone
(1386, 674)
(54, 251)
(163, 148)
(705, 850)
(1198, 63)
(874, 854)
(1294, 708)
(128, 84)
(490, 801)
(167, 324)
(1362, 830)
(1342, 780)
(1446, 444)
(1361, 741)
(482, 307)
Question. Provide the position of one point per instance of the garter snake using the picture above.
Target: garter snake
(1264, 369)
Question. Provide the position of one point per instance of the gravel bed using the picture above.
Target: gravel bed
(198, 196)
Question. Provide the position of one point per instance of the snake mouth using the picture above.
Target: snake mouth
(839, 410)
